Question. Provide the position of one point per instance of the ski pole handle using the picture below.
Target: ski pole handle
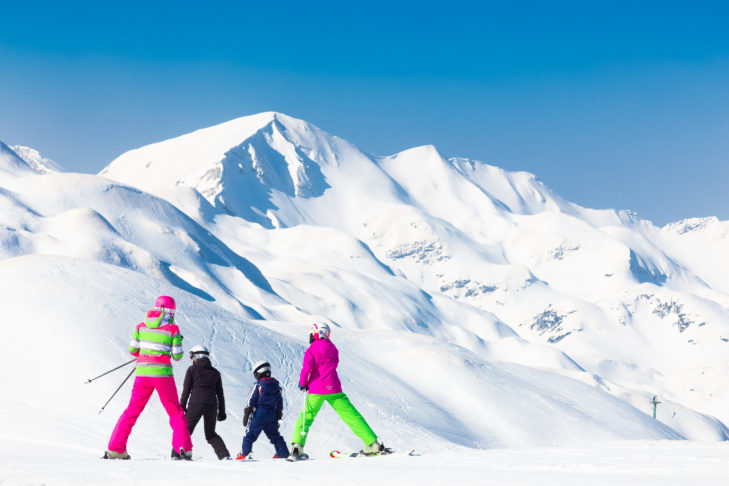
(113, 369)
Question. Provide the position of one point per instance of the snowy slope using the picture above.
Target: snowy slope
(611, 290)
(84, 327)
(79, 268)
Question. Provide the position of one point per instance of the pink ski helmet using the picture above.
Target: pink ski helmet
(320, 331)
(165, 302)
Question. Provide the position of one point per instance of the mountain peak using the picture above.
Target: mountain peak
(36, 160)
(11, 162)
(235, 165)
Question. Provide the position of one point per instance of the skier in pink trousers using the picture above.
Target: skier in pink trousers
(155, 341)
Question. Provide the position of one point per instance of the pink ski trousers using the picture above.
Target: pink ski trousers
(141, 392)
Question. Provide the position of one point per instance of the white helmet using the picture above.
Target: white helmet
(261, 369)
(199, 352)
(320, 331)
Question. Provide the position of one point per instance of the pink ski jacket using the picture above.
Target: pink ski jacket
(155, 341)
(319, 371)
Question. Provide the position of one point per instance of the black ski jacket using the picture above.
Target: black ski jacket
(203, 386)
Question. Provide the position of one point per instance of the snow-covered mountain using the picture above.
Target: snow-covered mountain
(471, 305)
(618, 295)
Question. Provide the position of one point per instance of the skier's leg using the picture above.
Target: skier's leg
(273, 434)
(210, 414)
(312, 405)
(350, 416)
(193, 415)
(141, 391)
(168, 396)
(254, 430)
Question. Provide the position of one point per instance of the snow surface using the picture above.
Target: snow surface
(608, 464)
(481, 319)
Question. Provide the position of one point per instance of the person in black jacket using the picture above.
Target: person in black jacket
(204, 387)
(264, 410)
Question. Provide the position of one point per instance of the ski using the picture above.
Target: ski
(155, 459)
(341, 455)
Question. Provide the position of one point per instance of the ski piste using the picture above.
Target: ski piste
(342, 455)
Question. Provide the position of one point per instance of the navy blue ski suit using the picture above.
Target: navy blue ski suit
(266, 403)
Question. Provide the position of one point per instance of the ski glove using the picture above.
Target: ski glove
(221, 416)
(303, 387)
(246, 416)
(279, 415)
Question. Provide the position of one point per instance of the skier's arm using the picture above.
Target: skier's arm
(186, 389)
(134, 343)
(221, 397)
(177, 345)
(253, 396)
(279, 405)
(306, 369)
(252, 402)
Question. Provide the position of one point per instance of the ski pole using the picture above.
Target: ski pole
(117, 390)
(113, 369)
(292, 406)
(303, 415)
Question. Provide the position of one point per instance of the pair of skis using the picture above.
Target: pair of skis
(342, 455)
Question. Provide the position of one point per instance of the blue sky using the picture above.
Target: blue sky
(612, 104)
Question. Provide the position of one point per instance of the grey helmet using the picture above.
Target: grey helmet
(261, 369)
(198, 352)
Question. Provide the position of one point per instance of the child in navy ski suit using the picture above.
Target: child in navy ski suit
(264, 410)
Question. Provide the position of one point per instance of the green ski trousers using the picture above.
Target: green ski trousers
(344, 408)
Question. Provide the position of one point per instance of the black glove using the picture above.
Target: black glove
(303, 387)
(279, 415)
(246, 416)
(221, 416)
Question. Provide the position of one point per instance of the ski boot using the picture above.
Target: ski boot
(182, 455)
(376, 449)
(297, 453)
(116, 455)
